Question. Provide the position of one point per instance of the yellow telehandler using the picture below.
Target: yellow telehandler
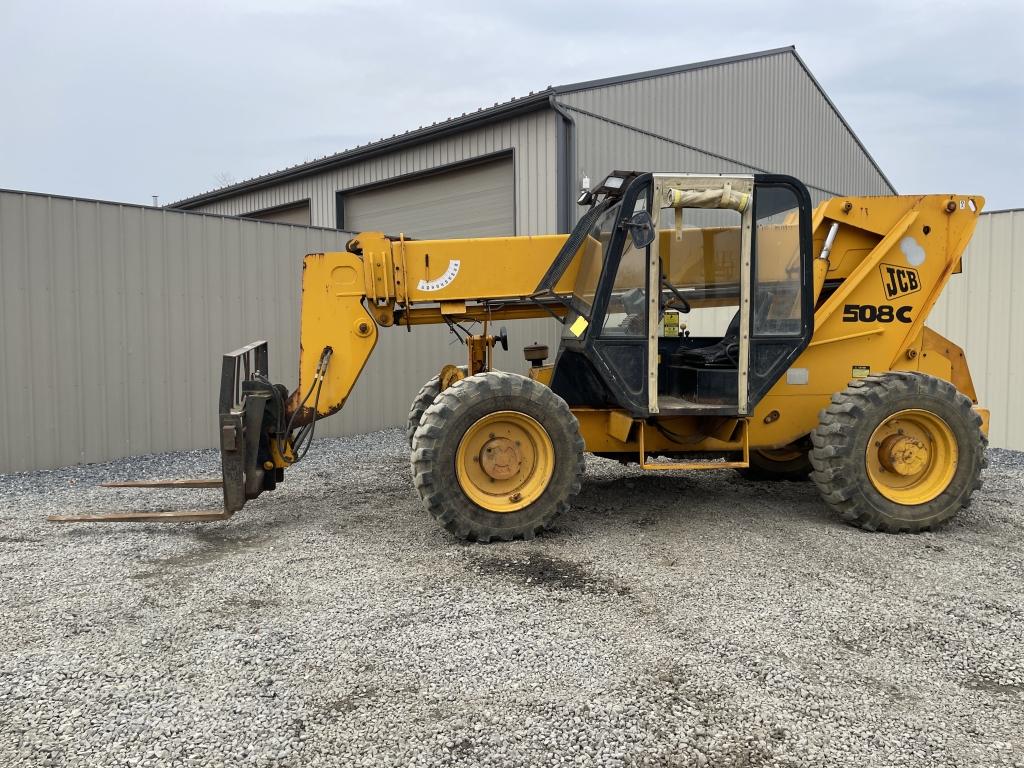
(708, 322)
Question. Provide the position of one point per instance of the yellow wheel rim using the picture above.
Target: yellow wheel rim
(505, 461)
(912, 457)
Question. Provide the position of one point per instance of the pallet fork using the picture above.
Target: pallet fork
(246, 399)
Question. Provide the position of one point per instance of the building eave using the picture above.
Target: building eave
(527, 104)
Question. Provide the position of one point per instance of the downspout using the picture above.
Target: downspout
(566, 165)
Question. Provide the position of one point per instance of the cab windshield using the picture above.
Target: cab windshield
(591, 254)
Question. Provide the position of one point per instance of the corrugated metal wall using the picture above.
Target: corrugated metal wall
(981, 311)
(531, 138)
(766, 113)
(113, 319)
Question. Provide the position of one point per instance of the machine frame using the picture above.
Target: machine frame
(868, 272)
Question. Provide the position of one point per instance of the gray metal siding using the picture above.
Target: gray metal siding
(532, 138)
(478, 201)
(113, 320)
(766, 113)
(981, 311)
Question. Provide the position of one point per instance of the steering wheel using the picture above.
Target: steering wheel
(675, 292)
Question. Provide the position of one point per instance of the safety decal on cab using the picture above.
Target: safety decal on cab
(899, 281)
(443, 281)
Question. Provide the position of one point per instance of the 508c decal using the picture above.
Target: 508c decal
(870, 313)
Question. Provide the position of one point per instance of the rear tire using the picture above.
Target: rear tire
(476, 498)
(785, 464)
(924, 425)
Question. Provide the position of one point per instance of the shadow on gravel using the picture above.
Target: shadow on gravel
(546, 572)
(217, 543)
(989, 686)
(18, 540)
(647, 501)
(349, 703)
(176, 563)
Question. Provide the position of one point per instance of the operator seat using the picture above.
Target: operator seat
(724, 353)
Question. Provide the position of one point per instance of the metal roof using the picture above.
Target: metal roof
(499, 111)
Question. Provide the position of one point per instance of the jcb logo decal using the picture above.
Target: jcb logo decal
(899, 281)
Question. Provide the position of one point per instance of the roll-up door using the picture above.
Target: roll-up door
(474, 201)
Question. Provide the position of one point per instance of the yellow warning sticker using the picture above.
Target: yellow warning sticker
(579, 326)
(671, 324)
(861, 371)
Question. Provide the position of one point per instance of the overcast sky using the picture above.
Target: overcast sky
(124, 100)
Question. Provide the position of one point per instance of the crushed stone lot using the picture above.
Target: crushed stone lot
(689, 620)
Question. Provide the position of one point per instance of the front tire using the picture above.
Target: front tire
(898, 452)
(497, 456)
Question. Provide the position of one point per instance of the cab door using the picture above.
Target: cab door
(781, 283)
(736, 256)
(700, 273)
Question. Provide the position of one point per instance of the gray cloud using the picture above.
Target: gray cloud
(123, 100)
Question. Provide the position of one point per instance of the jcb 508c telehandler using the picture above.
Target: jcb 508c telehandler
(825, 368)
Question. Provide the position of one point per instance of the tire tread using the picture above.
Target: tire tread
(439, 490)
(860, 407)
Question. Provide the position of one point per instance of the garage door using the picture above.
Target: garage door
(469, 202)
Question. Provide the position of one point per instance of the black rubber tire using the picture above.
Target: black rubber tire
(765, 468)
(441, 430)
(423, 400)
(840, 445)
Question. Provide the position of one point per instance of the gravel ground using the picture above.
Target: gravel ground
(694, 620)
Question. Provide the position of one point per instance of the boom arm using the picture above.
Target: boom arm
(346, 295)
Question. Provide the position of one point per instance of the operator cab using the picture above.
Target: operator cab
(692, 293)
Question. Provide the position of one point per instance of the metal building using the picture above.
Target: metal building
(114, 317)
(515, 168)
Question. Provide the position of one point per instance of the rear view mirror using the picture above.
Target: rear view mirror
(641, 229)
